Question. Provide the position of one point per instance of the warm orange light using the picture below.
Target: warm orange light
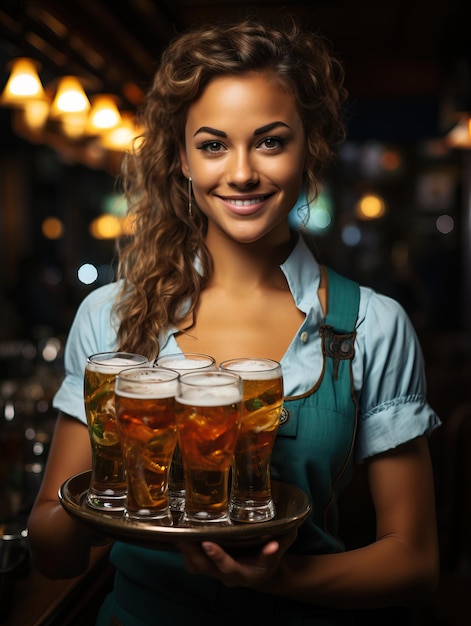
(52, 228)
(370, 207)
(390, 160)
(124, 136)
(106, 227)
(129, 225)
(70, 98)
(73, 124)
(460, 135)
(104, 114)
(23, 84)
(35, 114)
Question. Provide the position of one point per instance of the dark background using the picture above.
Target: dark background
(408, 71)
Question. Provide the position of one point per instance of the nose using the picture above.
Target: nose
(241, 170)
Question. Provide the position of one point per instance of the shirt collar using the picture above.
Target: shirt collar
(301, 269)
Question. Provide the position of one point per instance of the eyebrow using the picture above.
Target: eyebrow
(211, 131)
(257, 131)
(267, 127)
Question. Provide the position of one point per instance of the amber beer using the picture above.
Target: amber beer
(251, 497)
(182, 362)
(208, 410)
(107, 489)
(145, 412)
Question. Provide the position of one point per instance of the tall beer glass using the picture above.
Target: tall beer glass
(251, 498)
(145, 413)
(182, 362)
(208, 410)
(107, 489)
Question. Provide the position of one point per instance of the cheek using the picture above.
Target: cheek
(287, 170)
(205, 174)
(288, 176)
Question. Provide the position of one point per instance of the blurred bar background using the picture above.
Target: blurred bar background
(394, 213)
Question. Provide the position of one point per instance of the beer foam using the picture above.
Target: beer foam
(253, 369)
(114, 364)
(212, 392)
(147, 383)
(208, 397)
(184, 364)
(164, 389)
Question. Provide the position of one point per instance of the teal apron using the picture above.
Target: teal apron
(314, 450)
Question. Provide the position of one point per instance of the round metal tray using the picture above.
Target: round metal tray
(291, 503)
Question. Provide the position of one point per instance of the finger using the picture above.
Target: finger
(270, 548)
(194, 558)
(285, 541)
(221, 559)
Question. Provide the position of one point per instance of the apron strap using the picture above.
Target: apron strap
(338, 330)
(343, 301)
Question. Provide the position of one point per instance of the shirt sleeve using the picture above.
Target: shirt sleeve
(92, 331)
(393, 407)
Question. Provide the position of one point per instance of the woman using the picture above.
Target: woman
(241, 121)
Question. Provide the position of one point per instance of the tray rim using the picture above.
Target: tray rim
(72, 493)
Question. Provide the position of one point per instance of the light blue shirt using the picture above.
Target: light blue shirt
(388, 367)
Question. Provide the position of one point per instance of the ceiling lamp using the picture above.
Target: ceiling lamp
(104, 114)
(460, 135)
(124, 136)
(70, 98)
(23, 84)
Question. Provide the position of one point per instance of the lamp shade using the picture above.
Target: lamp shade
(70, 98)
(460, 135)
(124, 136)
(104, 114)
(23, 84)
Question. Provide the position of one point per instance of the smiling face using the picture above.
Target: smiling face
(244, 150)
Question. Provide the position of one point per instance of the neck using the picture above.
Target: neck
(243, 265)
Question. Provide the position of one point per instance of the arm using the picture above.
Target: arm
(60, 547)
(398, 568)
(401, 565)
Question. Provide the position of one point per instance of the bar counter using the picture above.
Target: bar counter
(38, 601)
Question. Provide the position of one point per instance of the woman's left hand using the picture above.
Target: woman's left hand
(243, 569)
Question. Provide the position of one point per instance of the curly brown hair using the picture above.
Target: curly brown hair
(157, 262)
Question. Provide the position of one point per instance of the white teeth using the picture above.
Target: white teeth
(246, 202)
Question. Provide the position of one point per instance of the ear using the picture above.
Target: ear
(184, 162)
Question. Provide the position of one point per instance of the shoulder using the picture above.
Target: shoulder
(95, 315)
(386, 339)
(381, 311)
(99, 302)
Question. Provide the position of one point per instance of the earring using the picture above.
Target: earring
(190, 193)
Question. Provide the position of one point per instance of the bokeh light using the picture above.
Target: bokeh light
(445, 224)
(52, 228)
(87, 273)
(351, 235)
(370, 206)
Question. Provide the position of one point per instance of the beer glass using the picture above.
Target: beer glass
(251, 499)
(182, 362)
(107, 489)
(207, 412)
(145, 414)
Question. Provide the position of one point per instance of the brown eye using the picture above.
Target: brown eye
(211, 146)
(272, 143)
